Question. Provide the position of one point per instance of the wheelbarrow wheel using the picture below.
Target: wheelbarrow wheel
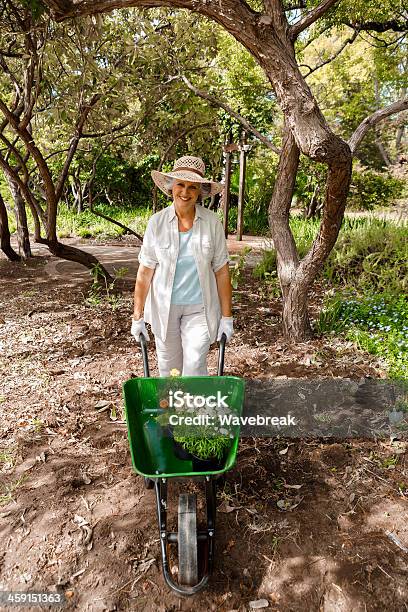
(187, 540)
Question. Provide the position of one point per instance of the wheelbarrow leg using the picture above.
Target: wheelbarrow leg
(211, 503)
(160, 486)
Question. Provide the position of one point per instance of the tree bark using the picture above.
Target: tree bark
(23, 236)
(5, 243)
(286, 252)
(398, 140)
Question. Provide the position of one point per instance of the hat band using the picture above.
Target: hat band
(189, 170)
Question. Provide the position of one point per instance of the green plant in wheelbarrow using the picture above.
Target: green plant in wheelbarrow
(200, 429)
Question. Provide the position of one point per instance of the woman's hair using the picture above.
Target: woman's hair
(205, 189)
(168, 183)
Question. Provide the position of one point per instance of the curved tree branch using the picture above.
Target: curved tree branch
(376, 26)
(333, 57)
(373, 119)
(311, 17)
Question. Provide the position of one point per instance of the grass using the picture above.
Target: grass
(6, 457)
(9, 490)
(205, 448)
(87, 225)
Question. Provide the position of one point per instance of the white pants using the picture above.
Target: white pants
(187, 342)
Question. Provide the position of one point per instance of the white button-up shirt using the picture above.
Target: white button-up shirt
(160, 251)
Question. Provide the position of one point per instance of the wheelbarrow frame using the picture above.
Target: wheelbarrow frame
(160, 484)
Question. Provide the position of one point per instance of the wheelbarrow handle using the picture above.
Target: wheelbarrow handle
(221, 355)
(146, 369)
(143, 345)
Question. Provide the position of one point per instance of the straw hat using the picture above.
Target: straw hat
(190, 169)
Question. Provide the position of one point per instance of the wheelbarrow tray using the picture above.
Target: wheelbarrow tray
(151, 450)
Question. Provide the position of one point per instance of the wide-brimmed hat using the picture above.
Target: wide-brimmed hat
(190, 169)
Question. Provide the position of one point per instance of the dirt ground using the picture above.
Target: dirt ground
(74, 518)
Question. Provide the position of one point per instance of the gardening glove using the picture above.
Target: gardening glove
(226, 327)
(139, 327)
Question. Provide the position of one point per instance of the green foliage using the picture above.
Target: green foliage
(267, 265)
(369, 189)
(102, 291)
(260, 179)
(310, 181)
(36, 7)
(238, 267)
(367, 75)
(371, 255)
(238, 79)
(116, 180)
(377, 324)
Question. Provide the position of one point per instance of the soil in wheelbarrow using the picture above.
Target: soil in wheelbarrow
(302, 524)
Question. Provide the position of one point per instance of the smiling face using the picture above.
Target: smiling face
(185, 193)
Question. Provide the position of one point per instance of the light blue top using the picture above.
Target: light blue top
(186, 286)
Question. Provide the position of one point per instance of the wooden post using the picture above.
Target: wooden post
(242, 169)
(227, 181)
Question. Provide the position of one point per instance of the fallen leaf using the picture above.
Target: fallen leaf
(226, 509)
(102, 405)
(257, 604)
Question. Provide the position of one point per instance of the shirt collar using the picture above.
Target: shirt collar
(198, 213)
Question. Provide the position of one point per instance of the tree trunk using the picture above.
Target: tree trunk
(295, 317)
(398, 140)
(23, 236)
(5, 234)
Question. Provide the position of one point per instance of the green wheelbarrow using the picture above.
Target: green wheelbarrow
(154, 457)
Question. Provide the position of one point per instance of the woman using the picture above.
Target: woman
(183, 284)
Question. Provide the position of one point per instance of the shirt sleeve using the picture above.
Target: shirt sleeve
(220, 248)
(147, 256)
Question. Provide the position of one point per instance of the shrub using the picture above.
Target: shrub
(369, 189)
(370, 254)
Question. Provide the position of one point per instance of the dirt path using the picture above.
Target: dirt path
(74, 518)
(120, 254)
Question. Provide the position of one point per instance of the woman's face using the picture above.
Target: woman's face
(185, 193)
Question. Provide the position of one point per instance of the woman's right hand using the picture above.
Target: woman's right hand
(139, 327)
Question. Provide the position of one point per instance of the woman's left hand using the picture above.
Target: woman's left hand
(226, 327)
